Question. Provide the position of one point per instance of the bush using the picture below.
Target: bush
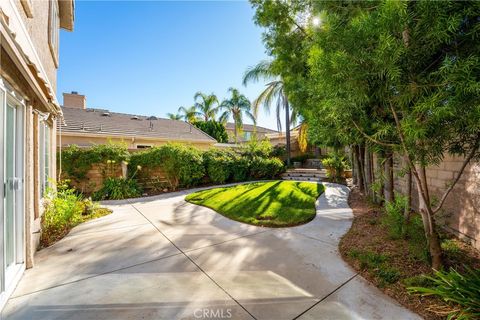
(77, 161)
(182, 165)
(453, 287)
(64, 209)
(219, 165)
(265, 168)
(394, 218)
(255, 148)
(214, 129)
(335, 165)
(117, 189)
(241, 168)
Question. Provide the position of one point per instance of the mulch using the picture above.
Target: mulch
(369, 234)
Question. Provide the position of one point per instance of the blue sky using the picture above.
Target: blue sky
(151, 57)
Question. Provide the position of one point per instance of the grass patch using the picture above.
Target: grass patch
(269, 204)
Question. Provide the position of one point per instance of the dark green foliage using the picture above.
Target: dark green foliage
(219, 165)
(117, 189)
(214, 129)
(77, 161)
(261, 168)
(454, 287)
(182, 165)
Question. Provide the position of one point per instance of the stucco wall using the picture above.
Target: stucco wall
(37, 28)
(85, 141)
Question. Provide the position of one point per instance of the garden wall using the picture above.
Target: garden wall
(94, 177)
(461, 211)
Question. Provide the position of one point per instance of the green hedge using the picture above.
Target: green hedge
(183, 166)
(77, 161)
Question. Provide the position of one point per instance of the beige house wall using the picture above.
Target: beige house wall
(37, 28)
(132, 143)
(28, 70)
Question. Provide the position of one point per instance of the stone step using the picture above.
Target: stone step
(315, 179)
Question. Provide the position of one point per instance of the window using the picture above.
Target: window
(143, 146)
(247, 135)
(28, 7)
(44, 158)
(53, 30)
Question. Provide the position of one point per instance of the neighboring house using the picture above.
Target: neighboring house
(29, 32)
(87, 126)
(247, 132)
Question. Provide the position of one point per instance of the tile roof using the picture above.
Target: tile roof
(101, 121)
(249, 127)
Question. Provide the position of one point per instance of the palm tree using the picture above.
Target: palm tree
(236, 107)
(274, 91)
(189, 114)
(174, 116)
(207, 106)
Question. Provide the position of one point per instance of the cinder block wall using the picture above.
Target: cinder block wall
(461, 211)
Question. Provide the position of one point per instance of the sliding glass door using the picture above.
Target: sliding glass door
(12, 162)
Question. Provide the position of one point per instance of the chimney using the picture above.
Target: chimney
(74, 100)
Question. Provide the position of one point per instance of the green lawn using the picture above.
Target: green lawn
(270, 204)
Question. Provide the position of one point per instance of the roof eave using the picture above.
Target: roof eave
(67, 14)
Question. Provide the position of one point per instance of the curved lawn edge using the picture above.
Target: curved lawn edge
(271, 204)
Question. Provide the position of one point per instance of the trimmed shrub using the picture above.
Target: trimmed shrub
(241, 169)
(219, 165)
(182, 165)
(265, 168)
(76, 161)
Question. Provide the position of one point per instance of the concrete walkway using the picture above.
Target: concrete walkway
(163, 258)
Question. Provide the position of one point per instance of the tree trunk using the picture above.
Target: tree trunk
(354, 165)
(426, 212)
(359, 168)
(362, 168)
(368, 174)
(381, 178)
(408, 207)
(372, 176)
(287, 129)
(389, 194)
(235, 130)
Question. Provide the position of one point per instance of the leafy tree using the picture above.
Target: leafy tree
(207, 105)
(214, 129)
(189, 114)
(274, 91)
(174, 116)
(385, 76)
(237, 106)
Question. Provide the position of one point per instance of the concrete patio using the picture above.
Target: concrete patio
(163, 258)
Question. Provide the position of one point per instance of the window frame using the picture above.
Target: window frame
(54, 30)
(27, 7)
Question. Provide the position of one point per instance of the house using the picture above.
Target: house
(29, 58)
(85, 127)
(247, 132)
